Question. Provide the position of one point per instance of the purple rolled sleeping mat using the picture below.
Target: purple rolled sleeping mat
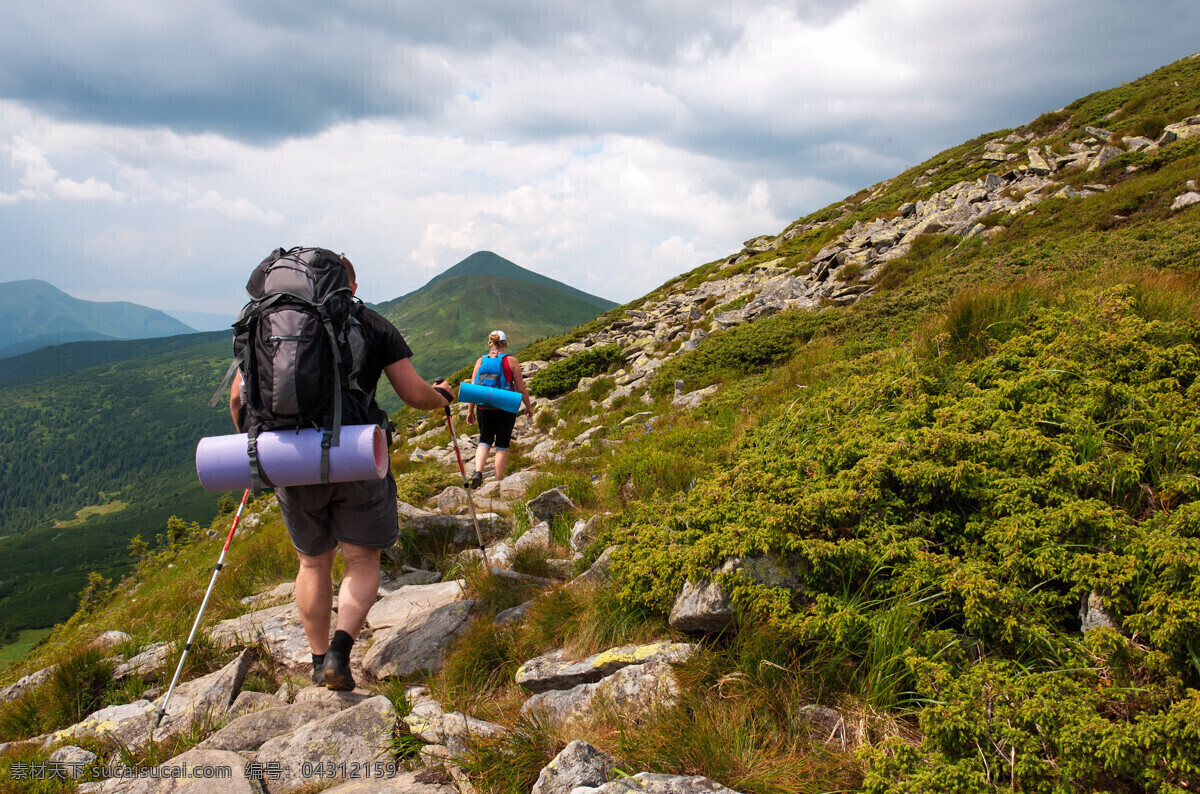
(292, 457)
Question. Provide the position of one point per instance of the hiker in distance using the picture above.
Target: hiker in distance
(496, 369)
(360, 516)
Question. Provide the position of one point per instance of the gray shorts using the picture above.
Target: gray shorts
(361, 513)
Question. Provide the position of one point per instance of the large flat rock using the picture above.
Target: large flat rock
(554, 671)
(412, 600)
(418, 644)
(332, 748)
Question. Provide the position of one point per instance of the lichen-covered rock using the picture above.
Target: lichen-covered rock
(579, 764)
(1092, 614)
(203, 700)
(654, 783)
(516, 484)
(632, 691)
(701, 607)
(247, 702)
(554, 671)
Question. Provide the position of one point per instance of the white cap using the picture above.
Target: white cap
(500, 334)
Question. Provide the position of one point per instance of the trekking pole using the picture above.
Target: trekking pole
(187, 646)
(466, 486)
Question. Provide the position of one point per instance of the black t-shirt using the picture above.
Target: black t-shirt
(384, 346)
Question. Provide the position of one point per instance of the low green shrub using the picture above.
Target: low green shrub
(740, 351)
(563, 376)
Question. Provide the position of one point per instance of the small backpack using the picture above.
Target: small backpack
(491, 372)
(300, 348)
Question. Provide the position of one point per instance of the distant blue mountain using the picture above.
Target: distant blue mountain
(34, 314)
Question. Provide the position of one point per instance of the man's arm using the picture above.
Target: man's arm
(235, 398)
(410, 388)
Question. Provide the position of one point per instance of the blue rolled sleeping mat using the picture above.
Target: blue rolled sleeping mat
(503, 399)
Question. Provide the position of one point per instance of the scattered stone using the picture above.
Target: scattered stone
(537, 535)
(1186, 200)
(456, 530)
(554, 671)
(248, 702)
(825, 724)
(582, 532)
(281, 592)
(513, 486)
(579, 764)
(548, 504)
(192, 772)
(72, 760)
(701, 607)
(654, 783)
(1092, 614)
(419, 643)
(599, 573)
(412, 600)
(355, 737)
(250, 731)
(109, 639)
(513, 615)
(632, 691)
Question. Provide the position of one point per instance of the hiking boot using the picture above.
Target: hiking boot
(318, 673)
(337, 671)
(476, 480)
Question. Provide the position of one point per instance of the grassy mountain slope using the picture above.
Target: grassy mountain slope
(1004, 430)
(447, 321)
(33, 311)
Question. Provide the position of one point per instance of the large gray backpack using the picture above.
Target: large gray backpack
(300, 348)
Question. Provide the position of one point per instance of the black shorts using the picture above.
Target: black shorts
(495, 427)
(361, 513)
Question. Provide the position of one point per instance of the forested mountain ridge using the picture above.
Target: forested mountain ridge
(34, 314)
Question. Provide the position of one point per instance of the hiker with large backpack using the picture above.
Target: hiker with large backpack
(498, 370)
(307, 353)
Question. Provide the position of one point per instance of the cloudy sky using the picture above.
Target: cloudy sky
(155, 151)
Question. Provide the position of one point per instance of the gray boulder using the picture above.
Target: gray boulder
(72, 761)
(701, 607)
(279, 628)
(457, 530)
(599, 573)
(554, 671)
(356, 737)
(548, 504)
(408, 602)
(1092, 614)
(251, 731)
(537, 535)
(204, 700)
(419, 643)
(195, 772)
(514, 485)
(579, 764)
(248, 702)
(654, 783)
(632, 691)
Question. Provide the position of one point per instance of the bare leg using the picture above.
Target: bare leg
(481, 456)
(314, 598)
(501, 463)
(359, 587)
